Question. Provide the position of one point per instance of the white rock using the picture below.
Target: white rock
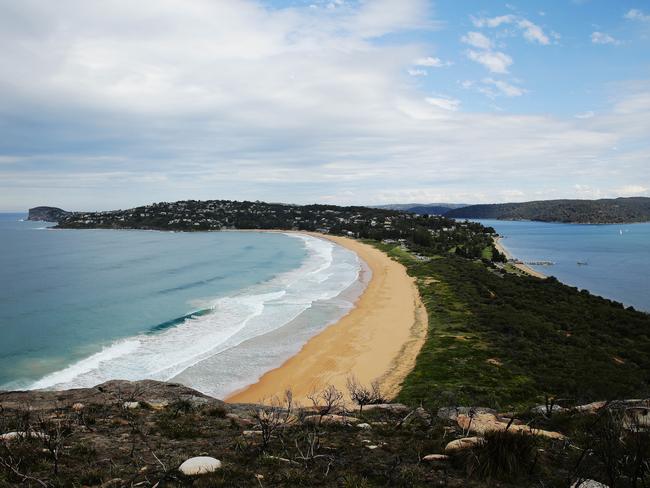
(372, 447)
(199, 465)
(130, 405)
(436, 458)
(588, 484)
(464, 443)
(364, 426)
(251, 433)
(12, 436)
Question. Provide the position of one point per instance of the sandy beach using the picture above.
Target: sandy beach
(378, 339)
(526, 269)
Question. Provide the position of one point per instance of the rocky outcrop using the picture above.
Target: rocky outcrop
(480, 423)
(47, 214)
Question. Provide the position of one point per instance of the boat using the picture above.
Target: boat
(582, 263)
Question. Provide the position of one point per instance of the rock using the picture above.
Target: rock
(251, 433)
(588, 484)
(158, 404)
(591, 408)
(422, 413)
(13, 436)
(542, 409)
(78, 407)
(199, 465)
(113, 483)
(130, 405)
(364, 425)
(387, 407)
(480, 423)
(372, 447)
(464, 443)
(436, 458)
(239, 420)
(452, 413)
(331, 419)
(636, 418)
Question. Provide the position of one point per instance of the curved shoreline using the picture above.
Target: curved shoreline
(520, 266)
(378, 340)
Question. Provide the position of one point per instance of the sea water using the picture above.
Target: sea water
(212, 310)
(612, 261)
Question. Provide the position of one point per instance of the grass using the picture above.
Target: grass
(508, 341)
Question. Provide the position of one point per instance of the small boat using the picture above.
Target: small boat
(582, 263)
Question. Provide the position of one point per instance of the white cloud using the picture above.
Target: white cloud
(585, 115)
(477, 39)
(602, 38)
(417, 72)
(494, 21)
(636, 14)
(230, 99)
(530, 31)
(431, 62)
(495, 61)
(632, 190)
(450, 104)
(505, 88)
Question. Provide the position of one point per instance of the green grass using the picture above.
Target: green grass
(507, 341)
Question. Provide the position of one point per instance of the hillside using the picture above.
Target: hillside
(47, 214)
(616, 210)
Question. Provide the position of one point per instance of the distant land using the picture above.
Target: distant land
(604, 211)
(47, 214)
(423, 208)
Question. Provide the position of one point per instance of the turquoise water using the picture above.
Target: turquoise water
(617, 256)
(78, 307)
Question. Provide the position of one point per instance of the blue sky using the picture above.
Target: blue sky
(110, 104)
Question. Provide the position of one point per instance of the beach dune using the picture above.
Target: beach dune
(378, 340)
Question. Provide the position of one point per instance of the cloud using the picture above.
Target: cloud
(585, 115)
(632, 190)
(477, 39)
(115, 103)
(431, 62)
(602, 38)
(530, 31)
(417, 72)
(450, 104)
(636, 14)
(495, 61)
(505, 88)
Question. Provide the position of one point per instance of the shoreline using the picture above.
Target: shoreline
(520, 266)
(378, 340)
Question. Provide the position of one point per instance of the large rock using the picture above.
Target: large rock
(464, 443)
(199, 465)
(387, 407)
(588, 484)
(480, 423)
(331, 419)
(14, 436)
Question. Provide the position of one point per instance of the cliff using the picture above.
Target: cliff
(47, 214)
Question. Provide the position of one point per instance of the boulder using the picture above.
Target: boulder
(452, 413)
(13, 436)
(480, 423)
(436, 458)
(387, 407)
(130, 405)
(464, 443)
(251, 433)
(588, 484)
(364, 425)
(331, 419)
(591, 408)
(78, 407)
(543, 409)
(199, 465)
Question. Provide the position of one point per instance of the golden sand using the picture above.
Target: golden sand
(378, 340)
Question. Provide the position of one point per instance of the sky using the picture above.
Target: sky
(108, 104)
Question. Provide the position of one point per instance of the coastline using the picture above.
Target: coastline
(520, 266)
(378, 340)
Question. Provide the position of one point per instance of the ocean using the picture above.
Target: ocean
(615, 259)
(212, 310)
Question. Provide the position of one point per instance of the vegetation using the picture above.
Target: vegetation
(96, 441)
(616, 210)
(503, 340)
